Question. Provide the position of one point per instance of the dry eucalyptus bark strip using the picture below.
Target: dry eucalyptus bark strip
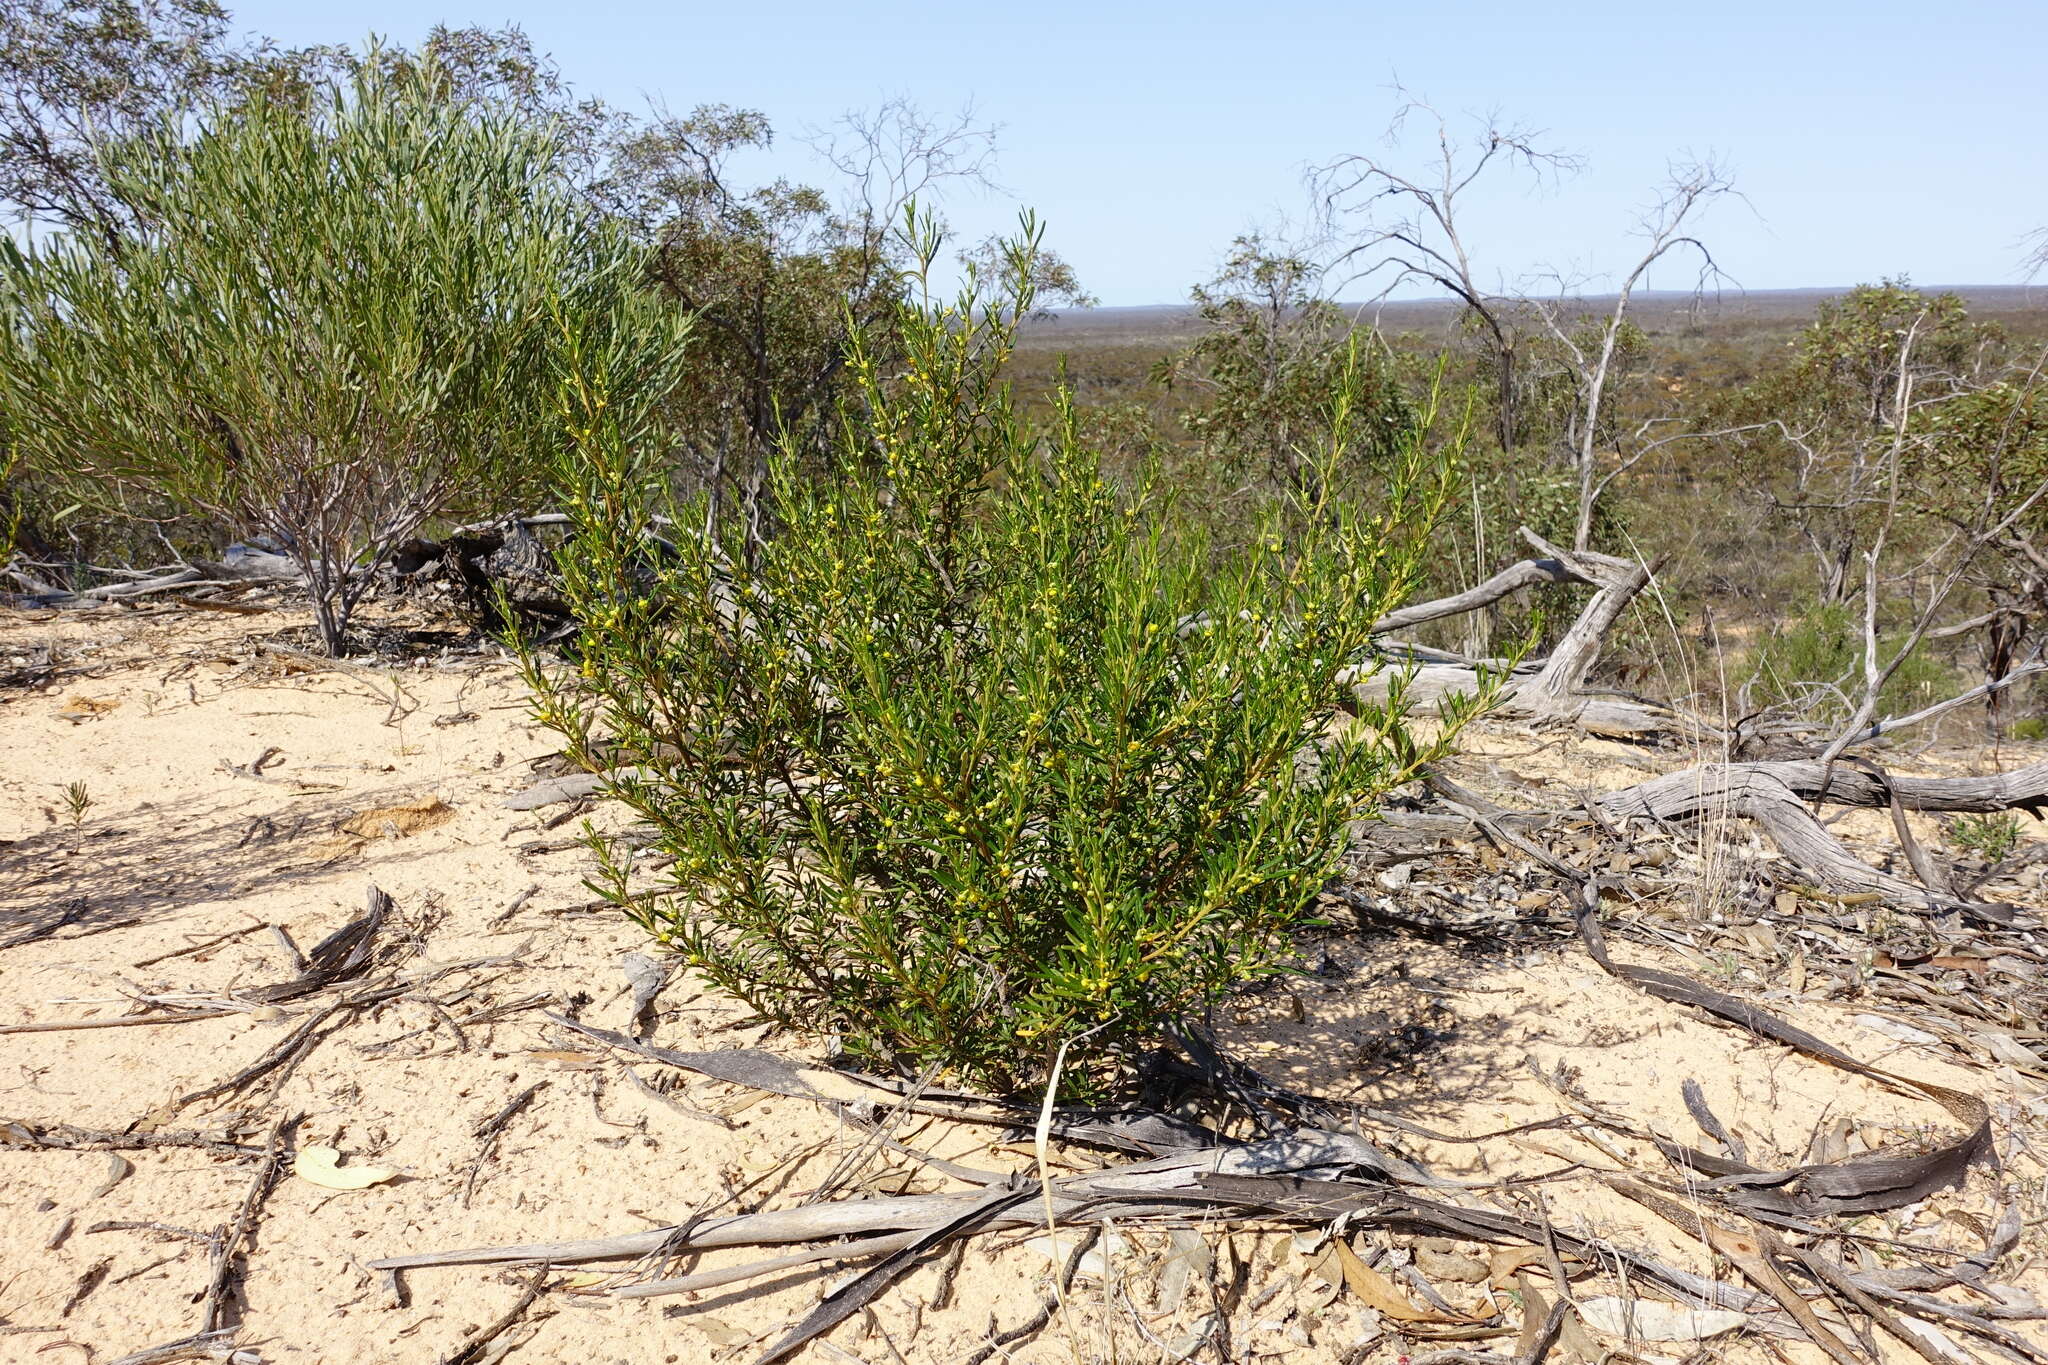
(1865, 1185)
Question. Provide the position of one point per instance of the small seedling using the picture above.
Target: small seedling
(1992, 837)
(77, 801)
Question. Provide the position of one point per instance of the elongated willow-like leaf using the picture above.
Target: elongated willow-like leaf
(332, 318)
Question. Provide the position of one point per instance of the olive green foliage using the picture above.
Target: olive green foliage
(1264, 367)
(1992, 836)
(777, 279)
(1988, 449)
(330, 319)
(1815, 660)
(1851, 358)
(974, 758)
(1825, 439)
(75, 74)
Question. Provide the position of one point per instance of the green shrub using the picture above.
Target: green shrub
(1992, 836)
(1816, 660)
(973, 757)
(329, 320)
(1271, 349)
(2030, 729)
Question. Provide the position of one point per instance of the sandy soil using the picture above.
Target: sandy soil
(235, 787)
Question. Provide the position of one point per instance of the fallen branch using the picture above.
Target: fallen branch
(476, 1349)
(490, 1130)
(121, 1021)
(1709, 787)
(216, 1345)
(1556, 691)
(1778, 797)
(63, 1137)
(214, 1302)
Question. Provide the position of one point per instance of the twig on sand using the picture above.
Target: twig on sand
(191, 948)
(686, 1110)
(124, 1021)
(1047, 1306)
(288, 1052)
(214, 1304)
(215, 1345)
(66, 1137)
(472, 1351)
(87, 1282)
(490, 1130)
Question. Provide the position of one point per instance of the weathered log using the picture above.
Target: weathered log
(1528, 573)
(1564, 676)
(1556, 691)
(1772, 795)
(243, 566)
(1715, 786)
(1777, 797)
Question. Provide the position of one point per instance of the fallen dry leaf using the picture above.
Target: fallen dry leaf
(1504, 1263)
(118, 1168)
(1440, 1266)
(719, 1331)
(321, 1166)
(1377, 1291)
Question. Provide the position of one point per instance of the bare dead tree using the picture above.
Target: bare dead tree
(1399, 227)
(896, 153)
(1690, 190)
(2036, 259)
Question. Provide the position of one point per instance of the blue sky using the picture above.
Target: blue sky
(1869, 138)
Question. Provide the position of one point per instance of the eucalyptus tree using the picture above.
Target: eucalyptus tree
(782, 275)
(1272, 347)
(332, 316)
(75, 74)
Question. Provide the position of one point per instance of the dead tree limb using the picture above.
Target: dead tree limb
(228, 1245)
(1527, 573)
(1712, 786)
(1779, 797)
(1556, 691)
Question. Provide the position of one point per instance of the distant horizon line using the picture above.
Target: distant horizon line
(2020, 292)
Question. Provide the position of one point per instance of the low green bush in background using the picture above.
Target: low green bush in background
(981, 754)
(1816, 660)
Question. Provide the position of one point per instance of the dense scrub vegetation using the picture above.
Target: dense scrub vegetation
(1891, 421)
(984, 690)
(984, 751)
